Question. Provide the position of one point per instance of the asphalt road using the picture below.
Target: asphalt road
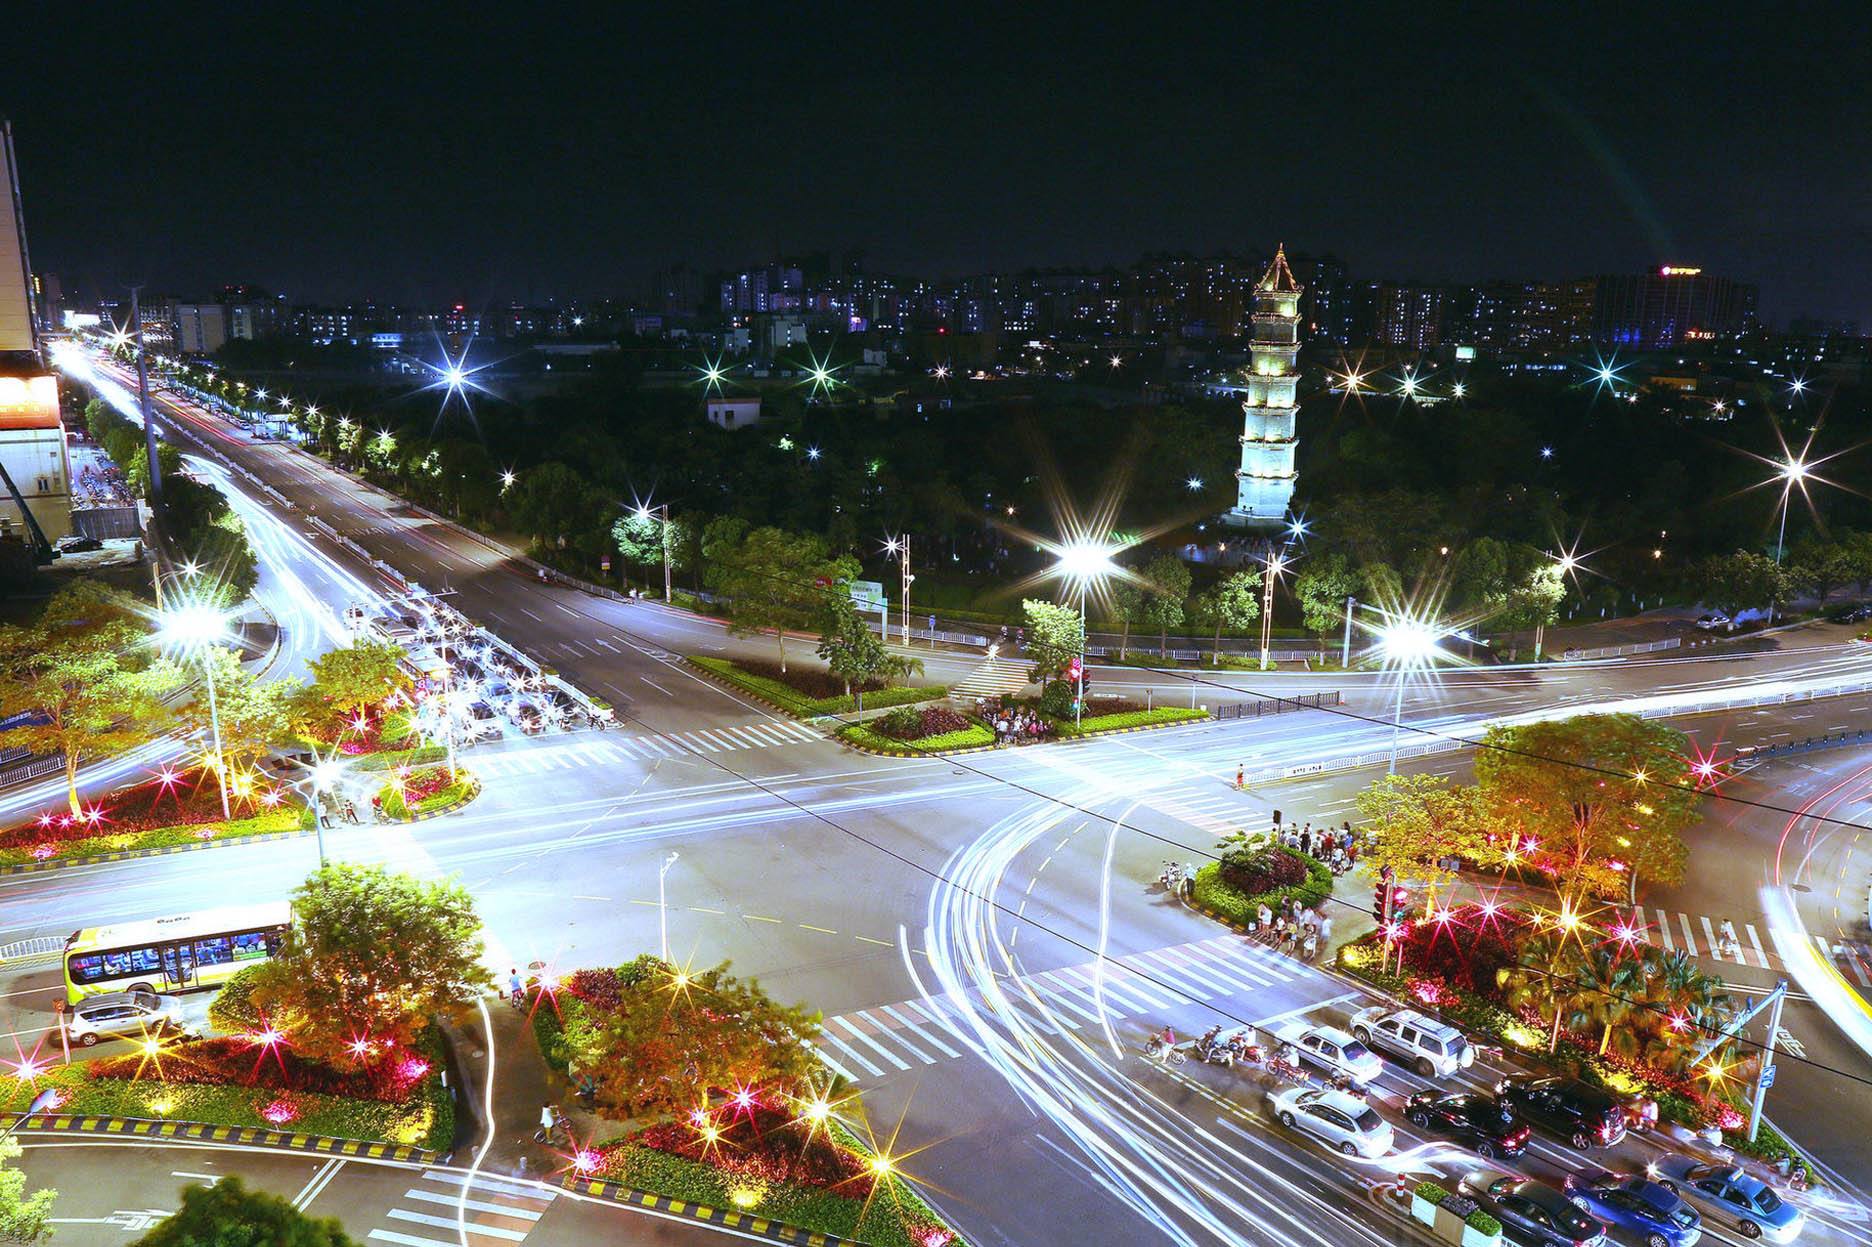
(971, 927)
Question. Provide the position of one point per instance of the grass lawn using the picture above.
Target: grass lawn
(291, 818)
(1130, 718)
(796, 695)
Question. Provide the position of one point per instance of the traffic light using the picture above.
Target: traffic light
(1379, 896)
(1075, 670)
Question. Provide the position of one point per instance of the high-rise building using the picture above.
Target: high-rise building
(1265, 480)
(1668, 307)
(199, 328)
(35, 476)
(1410, 316)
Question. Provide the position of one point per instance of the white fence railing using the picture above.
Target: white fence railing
(38, 948)
(1616, 651)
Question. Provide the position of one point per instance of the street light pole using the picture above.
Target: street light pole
(1345, 646)
(1397, 724)
(1267, 607)
(1079, 702)
(904, 563)
(143, 402)
(662, 908)
(664, 510)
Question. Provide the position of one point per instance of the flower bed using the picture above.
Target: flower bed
(425, 791)
(164, 813)
(1213, 894)
(806, 692)
(1126, 719)
(771, 1160)
(230, 1082)
(974, 736)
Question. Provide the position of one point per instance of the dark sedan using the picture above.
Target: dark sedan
(1480, 1121)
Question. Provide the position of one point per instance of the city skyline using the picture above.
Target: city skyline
(1511, 152)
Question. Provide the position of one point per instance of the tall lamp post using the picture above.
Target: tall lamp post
(193, 631)
(663, 531)
(1407, 644)
(900, 546)
(1083, 564)
(663, 909)
(1793, 472)
(1275, 562)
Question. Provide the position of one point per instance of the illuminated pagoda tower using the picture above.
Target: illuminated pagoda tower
(1265, 480)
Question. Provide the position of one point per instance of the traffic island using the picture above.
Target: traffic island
(916, 732)
(176, 812)
(414, 796)
(1253, 876)
(807, 692)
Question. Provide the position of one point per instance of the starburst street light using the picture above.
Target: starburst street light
(192, 630)
(453, 376)
(1194, 484)
(1408, 643)
(712, 372)
(941, 372)
(823, 375)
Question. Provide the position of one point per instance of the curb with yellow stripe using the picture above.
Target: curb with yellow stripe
(618, 1193)
(196, 1131)
(849, 743)
(124, 855)
(426, 815)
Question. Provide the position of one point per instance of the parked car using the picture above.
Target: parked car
(1435, 1049)
(1342, 1121)
(1714, 621)
(1854, 614)
(1651, 1210)
(528, 717)
(110, 1014)
(1331, 1050)
(1582, 1114)
(1728, 1196)
(1473, 1117)
(481, 720)
(75, 544)
(1532, 1213)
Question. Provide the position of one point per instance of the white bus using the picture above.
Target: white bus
(182, 953)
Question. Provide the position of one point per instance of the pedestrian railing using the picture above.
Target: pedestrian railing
(1617, 651)
(1756, 753)
(1263, 706)
(38, 948)
(1197, 655)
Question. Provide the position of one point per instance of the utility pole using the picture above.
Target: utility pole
(1345, 647)
(666, 553)
(904, 562)
(143, 402)
(1273, 566)
(1765, 1078)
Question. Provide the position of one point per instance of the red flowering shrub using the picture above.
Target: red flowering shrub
(602, 988)
(1466, 951)
(1253, 872)
(424, 783)
(914, 723)
(765, 1141)
(189, 799)
(235, 1061)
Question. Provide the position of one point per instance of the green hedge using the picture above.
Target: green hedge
(795, 702)
(390, 759)
(441, 799)
(286, 818)
(1217, 898)
(1132, 718)
(426, 1120)
(971, 737)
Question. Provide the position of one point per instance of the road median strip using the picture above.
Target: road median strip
(207, 1132)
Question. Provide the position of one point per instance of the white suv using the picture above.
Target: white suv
(110, 1014)
(1435, 1049)
(1340, 1120)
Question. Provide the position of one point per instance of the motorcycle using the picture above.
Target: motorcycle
(1155, 1049)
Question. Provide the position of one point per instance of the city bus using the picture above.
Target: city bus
(182, 953)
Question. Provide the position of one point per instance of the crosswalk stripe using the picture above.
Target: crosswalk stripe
(478, 1205)
(1663, 926)
(770, 735)
(1856, 964)
(872, 1044)
(742, 736)
(937, 1018)
(799, 730)
(1125, 979)
(857, 1057)
(900, 1038)
(628, 748)
(410, 1240)
(1689, 939)
(1709, 937)
(699, 741)
(834, 1066)
(926, 1036)
(498, 1186)
(715, 742)
(1826, 949)
(1193, 982)
(1756, 941)
(1238, 958)
(1126, 998)
(448, 1223)
(1056, 992)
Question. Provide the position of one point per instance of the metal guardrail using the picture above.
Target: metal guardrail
(1756, 753)
(38, 948)
(1197, 655)
(1616, 651)
(1274, 705)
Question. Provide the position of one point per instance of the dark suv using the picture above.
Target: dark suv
(1479, 1120)
(1582, 1114)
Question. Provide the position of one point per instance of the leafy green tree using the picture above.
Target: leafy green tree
(1166, 590)
(371, 952)
(1533, 600)
(775, 579)
(553, 505)
(1602, 798)
(358, 677)
(1126, 608)
(1479, 577)
(1323, 586)
(1055, 636)
(23, 1218)
(1233, 602)
(640, 538)
(89, 672)
(1820, 569)
(856, 655)
(136, 472)
(676, 1037)
(229, 560)
(253, 714)
(1738, 581)
(1415, 823)
(227, 1214)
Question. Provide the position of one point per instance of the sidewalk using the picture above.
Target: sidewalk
(523, 1083)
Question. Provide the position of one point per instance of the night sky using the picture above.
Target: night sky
(529, 151)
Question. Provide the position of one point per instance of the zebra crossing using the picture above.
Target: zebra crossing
(1849, 957)
(497, 1211)
(888, 1039)
(611, 748)
(1750, 949)
(995, 677)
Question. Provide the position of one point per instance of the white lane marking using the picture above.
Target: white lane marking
(658, 687)
(453, 1201)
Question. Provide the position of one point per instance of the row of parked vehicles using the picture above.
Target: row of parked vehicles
(1666, 1205)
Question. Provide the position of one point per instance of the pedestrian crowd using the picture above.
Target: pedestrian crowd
(1334, 847)
(1013, 724)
